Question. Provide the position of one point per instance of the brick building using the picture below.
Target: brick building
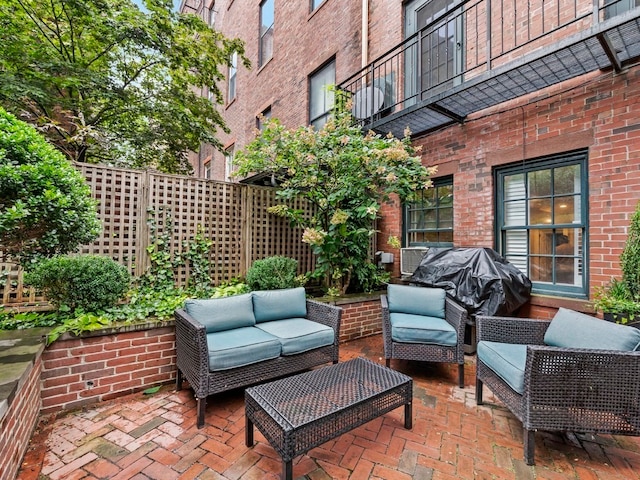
(531, 111)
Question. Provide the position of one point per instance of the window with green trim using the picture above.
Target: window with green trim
(428, 216)
(542, 221)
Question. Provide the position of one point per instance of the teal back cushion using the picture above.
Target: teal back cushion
(416, 300)
(279, 304)
(570, 329)
(219, 314)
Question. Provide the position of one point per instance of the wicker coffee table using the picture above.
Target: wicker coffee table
(298, 413)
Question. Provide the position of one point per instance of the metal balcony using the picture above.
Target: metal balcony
(481, 53)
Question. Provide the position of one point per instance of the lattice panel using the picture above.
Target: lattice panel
(233, 216)
(215, 206)
(271, 235)
(121, 199)
(13, 290)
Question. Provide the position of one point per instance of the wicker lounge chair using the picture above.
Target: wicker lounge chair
(552, 377)
(420, 323)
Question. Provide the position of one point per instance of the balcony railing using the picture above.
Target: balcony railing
(489, 51)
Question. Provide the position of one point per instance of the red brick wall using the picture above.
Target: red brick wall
(79, 371)
(599, 111)
(303, 42)
(360, 319)
(19, 420)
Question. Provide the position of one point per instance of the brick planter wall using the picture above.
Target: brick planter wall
(360, 318)
(111, 363)
(19, 420)
(79, 371)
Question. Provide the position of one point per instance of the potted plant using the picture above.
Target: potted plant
(620, 300)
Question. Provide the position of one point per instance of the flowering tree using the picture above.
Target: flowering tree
(345, 174)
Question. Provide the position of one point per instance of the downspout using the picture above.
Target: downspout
(365, 33)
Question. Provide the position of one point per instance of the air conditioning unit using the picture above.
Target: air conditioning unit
(410, 259)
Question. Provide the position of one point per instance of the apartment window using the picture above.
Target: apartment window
(233, 70)
(267, 17)
(542, 221)
(321, 97)
(428, 216)
(441, 58)
(229, 155)
(207, 170)
(210, 14)
(316, 3)
(618, 7)
(263, 118)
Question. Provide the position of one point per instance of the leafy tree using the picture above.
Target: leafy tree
(45, 203)
(110, 83)
(346, 175)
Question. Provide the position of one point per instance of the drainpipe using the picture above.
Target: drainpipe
(365, 33)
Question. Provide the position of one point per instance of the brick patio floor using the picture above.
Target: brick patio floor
(155, 437)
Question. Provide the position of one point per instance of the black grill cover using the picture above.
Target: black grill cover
(480, 279)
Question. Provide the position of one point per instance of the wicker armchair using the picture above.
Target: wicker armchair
(431, 350)
(563, 389)
(193, 358)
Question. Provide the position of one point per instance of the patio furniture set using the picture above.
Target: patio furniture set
(573, 373)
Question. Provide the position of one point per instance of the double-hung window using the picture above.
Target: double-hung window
(263, 118)
(233, 72)
(267, 19)
(542, 221)
(321, 96)
(428, 215)
(229, 167)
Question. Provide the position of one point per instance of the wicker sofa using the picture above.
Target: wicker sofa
(247, 339)
(421, 323)
(575, 373)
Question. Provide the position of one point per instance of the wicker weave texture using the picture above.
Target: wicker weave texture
(193, 355)
(565, 389)
(455, 315)
(298, 413)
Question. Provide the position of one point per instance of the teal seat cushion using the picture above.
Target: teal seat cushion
(239, 347)
(416, 300)
(297, 335)
(571, 329)
(507, 360)
(409, 328)
(218, 314)
(279, 304)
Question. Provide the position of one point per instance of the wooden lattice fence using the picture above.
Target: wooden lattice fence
(233, 216)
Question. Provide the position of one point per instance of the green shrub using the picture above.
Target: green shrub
(272, 273)
(46, 206)
(630, 257)
(89, 283)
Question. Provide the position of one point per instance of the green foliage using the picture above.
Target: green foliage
(45, 203)
(623, 296)
(630, 257)
(615, 298)
(196, 255)
(228, 290)
(272, 273)
(346, 175)
(85, 322)
(20, 321)
(160, 274)
(112, 83)
(90, 283)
